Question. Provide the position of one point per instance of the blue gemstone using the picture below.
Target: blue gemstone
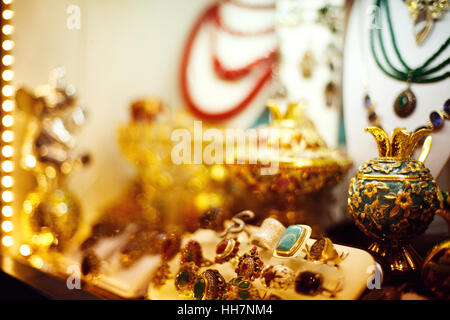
(436, 119)
(447, 107)
(289, 238)
(367, 101)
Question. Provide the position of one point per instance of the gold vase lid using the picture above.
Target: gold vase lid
(402, 143)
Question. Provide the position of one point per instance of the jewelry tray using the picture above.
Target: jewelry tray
(135, 281)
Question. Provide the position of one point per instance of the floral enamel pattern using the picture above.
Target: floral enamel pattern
(392, 210)
(393, 199)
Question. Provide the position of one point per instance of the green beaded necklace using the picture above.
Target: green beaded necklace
(405, 103)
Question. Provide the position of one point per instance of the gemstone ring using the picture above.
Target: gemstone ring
(293, 241)
(226, 250)
(210, 285)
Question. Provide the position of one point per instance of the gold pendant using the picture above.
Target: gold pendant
(405, 103)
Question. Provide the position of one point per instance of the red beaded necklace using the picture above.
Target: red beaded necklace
(266, 62)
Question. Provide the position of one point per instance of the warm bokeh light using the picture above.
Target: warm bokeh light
(8, 45)
(7, 196)
(8, 75)
(8, 105)
(30, 161)
(7, 166)
(37, 262)
(7, 226)
(7, 241)
(8, 60)
(7, 136)
(7, 29)
(7, 14)
(8, 90)
(25, 250)
(7, 211)
(7, 121)
(7, 151)
(7, 181)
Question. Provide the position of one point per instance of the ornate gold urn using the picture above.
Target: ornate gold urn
(299, 188)
(305, 163)
(393, 198)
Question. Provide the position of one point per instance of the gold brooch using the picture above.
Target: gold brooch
(250, 265)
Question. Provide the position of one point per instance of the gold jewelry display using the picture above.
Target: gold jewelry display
(426, 13)
(405, 102)
(268, 234)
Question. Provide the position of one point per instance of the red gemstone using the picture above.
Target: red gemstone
(221, 246)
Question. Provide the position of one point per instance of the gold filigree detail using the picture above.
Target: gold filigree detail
(401, 143)
(386, 167)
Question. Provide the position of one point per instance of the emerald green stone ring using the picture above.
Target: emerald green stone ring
(210, 285)
(293, 241)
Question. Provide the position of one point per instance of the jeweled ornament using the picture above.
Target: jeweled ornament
(241, 289)
(192, 252)
(405, 104)
(185, 278)
(210, 285)
(250, 265)
(393, 198)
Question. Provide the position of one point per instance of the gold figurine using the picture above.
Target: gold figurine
(51, 213)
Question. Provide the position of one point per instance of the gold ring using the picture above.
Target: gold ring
(323, 251)
(226, 250)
